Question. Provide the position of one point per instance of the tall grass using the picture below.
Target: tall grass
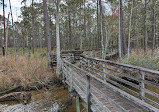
(27, 73)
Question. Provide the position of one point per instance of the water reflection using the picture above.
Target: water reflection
(42, 101)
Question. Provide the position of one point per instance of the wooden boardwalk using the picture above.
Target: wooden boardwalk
(105, 85)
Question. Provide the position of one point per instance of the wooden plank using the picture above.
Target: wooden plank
(118, 107)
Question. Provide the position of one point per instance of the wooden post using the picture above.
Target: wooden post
(88, 65)
(77, 104)
(142, 85)
(104, 72)
(88, 94)
(71, 80)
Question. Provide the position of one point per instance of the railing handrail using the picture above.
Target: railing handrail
(154, 72)
(123, 93)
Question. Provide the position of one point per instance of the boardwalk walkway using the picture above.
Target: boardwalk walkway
(104, 91)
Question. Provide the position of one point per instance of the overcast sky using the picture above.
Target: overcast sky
(16, 4)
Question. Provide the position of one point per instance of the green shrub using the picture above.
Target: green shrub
(143, 61)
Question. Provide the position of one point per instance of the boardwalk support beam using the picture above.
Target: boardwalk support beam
(88, 94)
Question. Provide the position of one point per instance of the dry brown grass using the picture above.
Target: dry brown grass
(27, 73)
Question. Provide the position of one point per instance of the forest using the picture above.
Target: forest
(45, 27)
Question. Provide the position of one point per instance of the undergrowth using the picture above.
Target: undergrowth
(28, 72)
(151, 62)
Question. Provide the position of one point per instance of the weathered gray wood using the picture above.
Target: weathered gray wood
(71, 80)
(150, 72)
(118, 107)
(142, 85)
(88, 94)
(104, 72)
(80, 76)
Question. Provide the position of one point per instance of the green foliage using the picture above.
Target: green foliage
(143, 61)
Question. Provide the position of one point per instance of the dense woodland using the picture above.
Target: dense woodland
(47, 27)
(83, 24)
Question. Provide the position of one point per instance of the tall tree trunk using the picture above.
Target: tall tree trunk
(58, 40)
(84, 42)
(33, 26)
(154, 27)
(102, 30)
(47, 29)
(145, 31)
(80, 29)
(15, 49)
(7, 35)
(123, 41)
(98, 32)
(70, 30)
(119, 35)
(130, 30)
(4, 29)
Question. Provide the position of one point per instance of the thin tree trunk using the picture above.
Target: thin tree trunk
(98, 32)
(15, 49)
(154, 27)
(145, 32)
(130, 30)
(33, 26)
(58, 40)
(47, 29)
(70, 30)
(123, 41)
(102, 30)
(84, 25)
(119, 36)
(81, 38)
(7, 35)
(4, 28)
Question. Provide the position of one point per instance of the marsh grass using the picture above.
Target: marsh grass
(29, 72)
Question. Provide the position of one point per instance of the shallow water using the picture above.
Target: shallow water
(43, 101)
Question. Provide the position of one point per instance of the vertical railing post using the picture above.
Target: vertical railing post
(71, 79)
(142, 85)
(62, 64)
(88, 94)
(88, 65)
(77, 104)
(104, 71)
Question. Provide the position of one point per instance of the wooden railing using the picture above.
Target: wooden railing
(84, 82)
(137, 81)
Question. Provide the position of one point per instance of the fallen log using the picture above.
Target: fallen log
(21, 97)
